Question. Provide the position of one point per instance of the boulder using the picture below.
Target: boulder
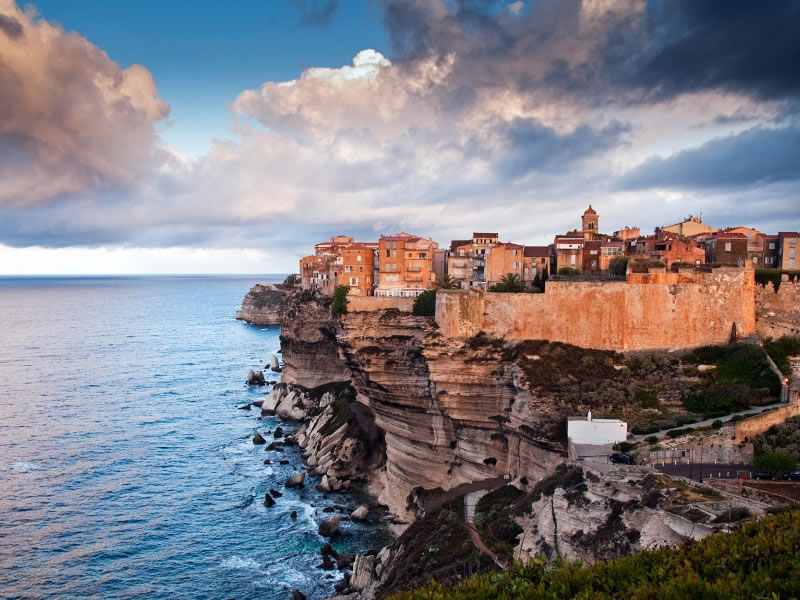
(328, 509)
(360, 514)
(345, 561)
(258, 438)
(257, 403)
(284, 462)
(268, 501)
(362, 572)
(296, 480)
(278, 432)
(256, 378)
(290, 440)
(326, 563)
(267, 461)
(324, 486)
(275, 493)
(328, 550)
(277, 446)
(298, 595)
(293, 514)
(330, 526)
(274, 365)
(245, 407)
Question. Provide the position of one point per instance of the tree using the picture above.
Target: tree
(512, 281)
(425, 304)
(339, 306)
(618, 266)
(568, 271)
(776, 462)
(545, 277)
(447, 282)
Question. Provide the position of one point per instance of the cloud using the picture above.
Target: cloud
(755, 157)
(315, 12)
(71, 120)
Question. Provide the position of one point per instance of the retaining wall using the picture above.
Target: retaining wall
(374, 303)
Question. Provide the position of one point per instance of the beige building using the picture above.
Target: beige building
(788, 250)
(503, 259)
(691, 225)
(535, 261)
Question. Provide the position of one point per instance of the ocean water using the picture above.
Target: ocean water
(126, 468)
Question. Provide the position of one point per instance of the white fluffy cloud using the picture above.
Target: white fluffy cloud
(71, 120)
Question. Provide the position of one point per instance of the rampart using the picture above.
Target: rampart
(778, 313)
(374, 303)
(647, 311)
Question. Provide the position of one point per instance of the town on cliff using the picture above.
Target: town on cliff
(504, 404)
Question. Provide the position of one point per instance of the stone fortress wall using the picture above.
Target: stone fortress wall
(778, 313)
(648, 311)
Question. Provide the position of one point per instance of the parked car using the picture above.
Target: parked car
(622, 459)
(762, 475)
(795, 475)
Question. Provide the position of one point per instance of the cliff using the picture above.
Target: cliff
(262, 304)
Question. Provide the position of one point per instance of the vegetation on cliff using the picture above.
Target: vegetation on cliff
(339, 305)
(780, 350)
(758, 560)
(778, 448)
(425, 304)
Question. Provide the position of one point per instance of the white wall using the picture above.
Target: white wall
(597, 431)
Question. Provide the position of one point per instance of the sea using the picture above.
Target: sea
(127, 468)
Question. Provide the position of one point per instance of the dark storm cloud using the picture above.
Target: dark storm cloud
(315, 12)
(10, 26)
(756, 156)
(535, 147)
(673, 47)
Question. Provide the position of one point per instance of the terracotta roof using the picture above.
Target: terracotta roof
(536, 251)
(458, 243)
(590, 211)
(401, 237)
(728, 235)
(510, 245)
(482, 235)
(788, 234)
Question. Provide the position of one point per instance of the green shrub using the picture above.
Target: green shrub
(758, 560)
(776, 462)
(780, 350)
(339, 306)
(717, 424)
(646, 398)
(624, 446)
(673, 433)
(764, 276)
(783, 438)
(425, 304)
(618, 266)
(651, 439)
(732, 515)
(568, 271)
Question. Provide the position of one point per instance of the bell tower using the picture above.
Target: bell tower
(589, 223)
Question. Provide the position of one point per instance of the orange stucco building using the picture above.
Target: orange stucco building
(503, 259)
(405, 265)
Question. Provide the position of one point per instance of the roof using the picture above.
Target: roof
(615, 244)
(788, 234)
(590, 211)
(405, 238)
(593, 244)
(570, 237)
(458, 243)
(482, 235)
(536, 251)
(510, 245)
(728, 235)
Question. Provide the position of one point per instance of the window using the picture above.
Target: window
(572, 260)
(516, 264)
(348, 269)
(791, 263)
(516, 252)
(421, 255)
(772, 245)
(387, 253)
(592, 251)
(354, 281)
(526, 271)
(791, 252)
(755, 260)
(394, 244)
(394, 253)
(394, 266)
(791, 240)
(360, 269)
(727, 246)
(358, 258)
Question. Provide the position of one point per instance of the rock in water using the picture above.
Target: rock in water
(258, 403)
(298, 595)
(360, 514)
(345, 561)
(274, 365)
(328, 550)
(275, 493)
(268, 501)
(330, 526)
(278, 432)
(323, 485)
(256, 378)
(327, 563)
(245, 407)
(293, 514)
(296, 480)
(257, 438)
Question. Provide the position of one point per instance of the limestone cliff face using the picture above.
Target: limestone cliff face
(262, 305)
(447, 413)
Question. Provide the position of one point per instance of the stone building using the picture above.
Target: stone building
(569, 251)
(726, 248)
(535, 261)
(590, 223)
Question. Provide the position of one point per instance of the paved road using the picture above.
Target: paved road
(750, 411)
(695, 470)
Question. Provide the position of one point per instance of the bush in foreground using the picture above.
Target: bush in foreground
(758, 560)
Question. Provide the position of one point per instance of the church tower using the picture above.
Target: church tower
(589, 223)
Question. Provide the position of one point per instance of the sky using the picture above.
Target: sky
(191, 137)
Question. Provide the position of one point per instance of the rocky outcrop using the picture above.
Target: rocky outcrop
(262, 304)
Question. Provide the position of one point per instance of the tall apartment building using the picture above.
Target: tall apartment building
(788, 250)
(466, 260)
(340, 261)
(405, 265)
